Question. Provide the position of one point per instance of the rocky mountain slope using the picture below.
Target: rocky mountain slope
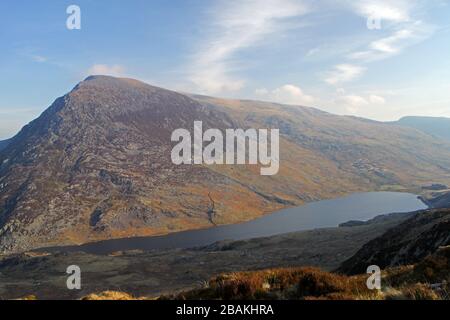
(3, 144)
(96, 164)
(438, 127)
(407, 243)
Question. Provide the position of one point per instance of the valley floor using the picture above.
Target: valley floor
(156, 273)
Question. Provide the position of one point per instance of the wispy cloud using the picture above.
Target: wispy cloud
(399, 24)
(33, 54)
(401, 27)
(394, 43)
(343, 73)
(236, 25)
(287, 94)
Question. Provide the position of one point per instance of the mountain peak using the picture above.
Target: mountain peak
(102, 81)
(110, 79)
(131, 101)
(96, 77)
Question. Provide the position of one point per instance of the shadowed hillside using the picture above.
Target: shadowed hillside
(3, 144)
(408, 243)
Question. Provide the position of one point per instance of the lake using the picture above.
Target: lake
(321, 214)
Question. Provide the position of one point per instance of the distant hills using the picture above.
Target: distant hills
(438, 127)
(96, 164)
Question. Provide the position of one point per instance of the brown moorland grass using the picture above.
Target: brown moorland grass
(276, 284)
(110, 295)
(427, 280)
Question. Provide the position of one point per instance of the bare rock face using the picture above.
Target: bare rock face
(96, 165)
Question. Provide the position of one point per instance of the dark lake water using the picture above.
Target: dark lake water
(321, 214)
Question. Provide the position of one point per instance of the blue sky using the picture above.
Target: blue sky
(317, 53)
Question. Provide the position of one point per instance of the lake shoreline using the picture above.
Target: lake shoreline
(313, 216)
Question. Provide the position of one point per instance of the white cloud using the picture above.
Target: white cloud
(237, 25)
(107, 70)
(353, 102)
(344, 73)
(287, 94)
(387, 45)
(374, 99)
(389, 10)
